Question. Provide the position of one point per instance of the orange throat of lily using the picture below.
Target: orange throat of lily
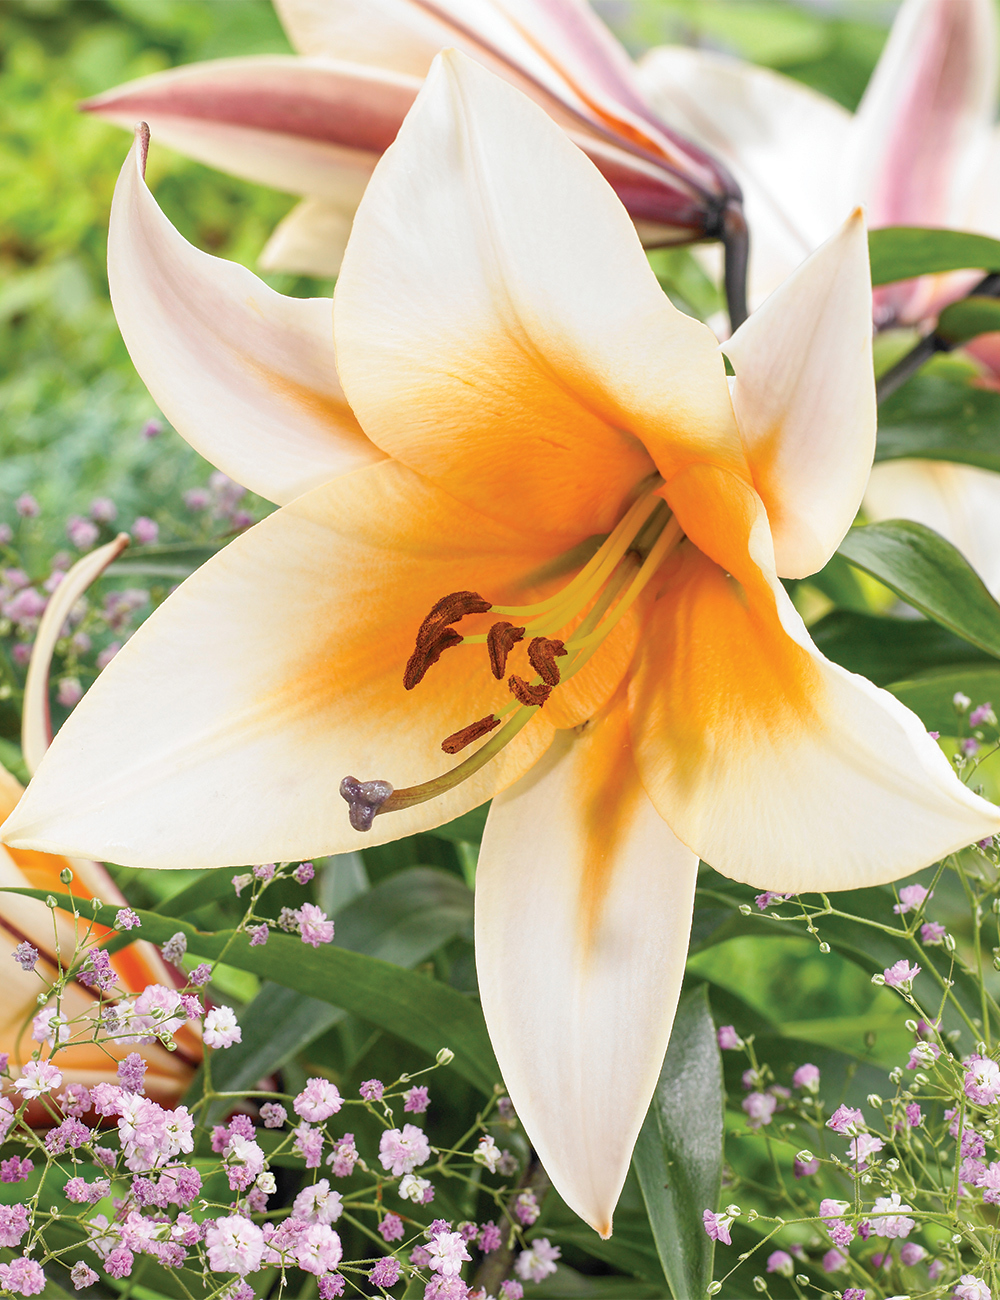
(609, 583)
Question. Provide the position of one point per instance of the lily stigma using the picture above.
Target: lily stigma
(607, 586)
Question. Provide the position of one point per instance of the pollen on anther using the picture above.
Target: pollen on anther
(449, 609)
(428, 653)
(531, 694)
(458, 740)
(542, 654)
(500, 640)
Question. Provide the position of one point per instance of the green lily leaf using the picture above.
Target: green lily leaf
(902, 252)
(931, 575)
(678, 1157)
(931, 697)
(416, 1008)
(403, 920)
(940, 415)
(888, 649)
(964, 319)
(176, 561)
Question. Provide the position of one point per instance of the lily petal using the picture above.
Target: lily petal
(961, 502)
(919, 140)
(311, 240)
(36, 728)
(309, 126)
(804, 397)
(510, 341)
(246, 375)
(583, 912)
(275, 671)
(773, 764)
(782, 141)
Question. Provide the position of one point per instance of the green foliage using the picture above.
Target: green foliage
(901, 252)
(678, 1156)
(942, 413)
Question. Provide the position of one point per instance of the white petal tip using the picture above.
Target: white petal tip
(141, 146)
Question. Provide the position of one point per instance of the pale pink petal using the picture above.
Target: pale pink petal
(583, 910)
(804, 397)
(247, 376)
(309, 126)
(310, 240)
(919, 139)
(782, 141)
(961, 502)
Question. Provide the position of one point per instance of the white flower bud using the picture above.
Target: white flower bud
(804, 1156)
(911, 1026)
(960, 701)
(713, 1288)
(734, 1210)
(445, 1056)
(878, 978)
(266, 1183)
(921, 1080)
(875, 1101)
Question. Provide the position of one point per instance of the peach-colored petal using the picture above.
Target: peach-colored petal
(309, 126)
(501, 331)
(804, 397)
(782, 141)
(247, 376)
(310, 240)
(774, 765)
(219, 734)
(961, 502)
(583, 910)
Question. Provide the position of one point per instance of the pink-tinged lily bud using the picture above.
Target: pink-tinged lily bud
(316, 124)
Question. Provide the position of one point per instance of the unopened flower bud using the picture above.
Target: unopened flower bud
(51, 902)
(921, 1079)
(911, 1026)
(759, 1283)
(960, 702)
(824, 947)
(745, 909)
(956, 1237)
(734, 1211)
(713, 1288)
(804, 1156)
(801, 1279)
(65, 875)
(445, 1056)
(266, 1183)
(896, 1075)
(949, 942)
(751, 1215)
(874, 1100)
(878, 978)
(892, 1165)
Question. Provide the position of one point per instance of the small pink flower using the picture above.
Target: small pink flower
(717, 1226)
(970, 1287)
(910, 1253)
(910, 898)
(760, 1107)
(235, 1245)
(222, 1028)
(537, 1262)
(38, 1078)
(391, 1228)
(69, 692)
(26, 506)
(863, 1146)
(416, 1100)
(23, 1277)
(318, 1100)
(81, 532)
(146, 531)
(807, 1077)
(779, 1261)
(834, 1261)
(314, 926)
(900, 975)
(932, 933)
(889, 1217)
(401, 1151)
(447, 1253)
(845, 1120)
(982, 1080)
(729, 1039)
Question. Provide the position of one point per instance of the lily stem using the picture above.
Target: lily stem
(897, 375)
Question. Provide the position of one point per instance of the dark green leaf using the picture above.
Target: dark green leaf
(964, 319)
(402, 920)
(176, 561)
(416, 1008)
(888, 649)
(678, 1157)
(567, 1284)
(929, 574)
(901, 252)
(465, 829)
(930, 698)
(940, 414)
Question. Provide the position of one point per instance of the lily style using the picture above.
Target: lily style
(922, 150)
(316, 123)
(542, 566)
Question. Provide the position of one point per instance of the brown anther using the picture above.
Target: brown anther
(500, 640)
(364, 799)
(526, 693)
(449, 609)
(542, 655)
(459, 739)
(427, 654)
